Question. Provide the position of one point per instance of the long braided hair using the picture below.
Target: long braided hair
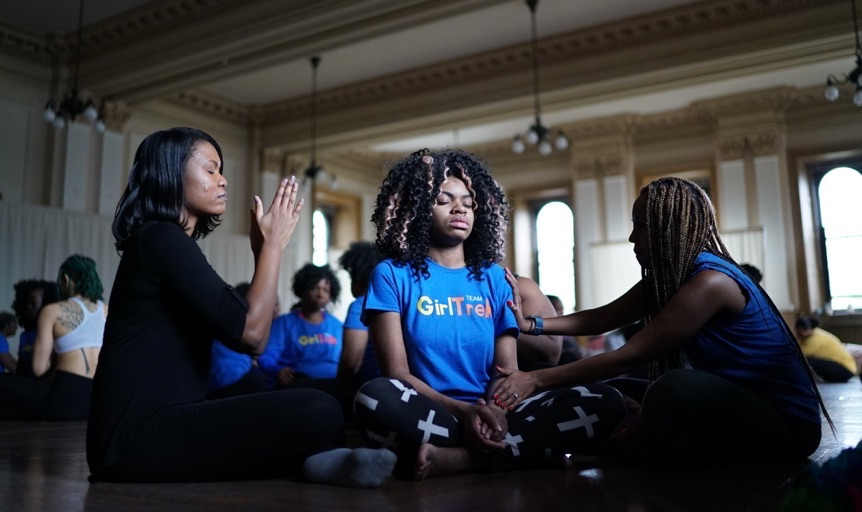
(681, 223)
(403, 215)
(82, 271)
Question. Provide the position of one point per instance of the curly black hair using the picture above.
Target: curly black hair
(310, 274)
(50, 294)
(403, 215)
(359, 260)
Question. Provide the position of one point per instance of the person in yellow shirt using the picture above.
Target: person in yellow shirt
(824, 351)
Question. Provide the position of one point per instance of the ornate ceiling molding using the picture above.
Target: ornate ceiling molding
(762, 143)
(215, 106)
(776, 99)
(557, 50)
(597, 166)
(149, 20)
(116, 114)
(20, 44)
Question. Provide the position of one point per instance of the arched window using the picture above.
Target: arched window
(319, 238)
(838, 195)
(555, 244)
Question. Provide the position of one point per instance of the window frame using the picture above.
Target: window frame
(817, 171)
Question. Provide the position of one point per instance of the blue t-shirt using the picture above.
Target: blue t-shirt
(449, 320)
(4, 348)
(26, 340)
(228, 366)
(369, 369)
(753, 349)
(310, 349)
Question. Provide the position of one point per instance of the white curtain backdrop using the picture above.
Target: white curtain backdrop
(35, 240)
(616, 269)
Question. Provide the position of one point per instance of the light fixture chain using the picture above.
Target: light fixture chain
(856, 30)
(315, 62)
(537, 109)
(78, 47)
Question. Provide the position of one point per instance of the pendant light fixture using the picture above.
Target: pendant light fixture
(74, 105)
(855, 76)
(313, 169)
(538, 134)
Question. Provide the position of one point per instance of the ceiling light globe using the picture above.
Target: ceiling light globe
(545, 148)
(561, 142)
(58, 122)
(532, 137)
(49, 115)
(100, 125)
(91, 113)
(831, 92)
(518, 145)
(857, 97)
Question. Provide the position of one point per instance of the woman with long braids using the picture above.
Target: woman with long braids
(437, 317)
(727, 378)
(66, 349)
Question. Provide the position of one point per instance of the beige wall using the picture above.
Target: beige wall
(756, 143)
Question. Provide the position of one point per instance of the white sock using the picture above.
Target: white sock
(358, 467)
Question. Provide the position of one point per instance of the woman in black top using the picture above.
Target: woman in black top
(150, 420)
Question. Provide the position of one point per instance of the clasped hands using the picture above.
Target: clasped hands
(485, 426)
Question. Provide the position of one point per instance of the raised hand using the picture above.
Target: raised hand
(276, 225)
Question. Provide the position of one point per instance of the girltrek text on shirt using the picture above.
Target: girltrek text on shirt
(469, 305)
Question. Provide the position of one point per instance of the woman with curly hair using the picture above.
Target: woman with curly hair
(437, 316)
(727, 380)
(31, 295)
(306, 342)
(65, 351)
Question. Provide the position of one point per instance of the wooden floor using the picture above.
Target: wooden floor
(43, 468)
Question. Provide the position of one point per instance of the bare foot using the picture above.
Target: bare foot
(434, 460)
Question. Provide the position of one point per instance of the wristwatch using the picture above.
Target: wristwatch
(538, 325)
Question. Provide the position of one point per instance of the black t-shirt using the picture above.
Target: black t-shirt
(166, 307)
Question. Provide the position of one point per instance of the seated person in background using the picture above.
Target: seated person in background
(753, 272)
(825, 353)
(72, 328)
(572, 350)
(30, 296)
(855, 350)
(537, 351)
(8, 327)
(306, 343)
(358, 363)
(234, 373)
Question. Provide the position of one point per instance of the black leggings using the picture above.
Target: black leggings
(695, 416)
(392, 414)
(830, 371)
(252, 436)
(27, 398)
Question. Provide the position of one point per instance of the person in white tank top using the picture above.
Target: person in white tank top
(65, 352)
(72, 328)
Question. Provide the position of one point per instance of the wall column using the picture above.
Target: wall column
(753, 185)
